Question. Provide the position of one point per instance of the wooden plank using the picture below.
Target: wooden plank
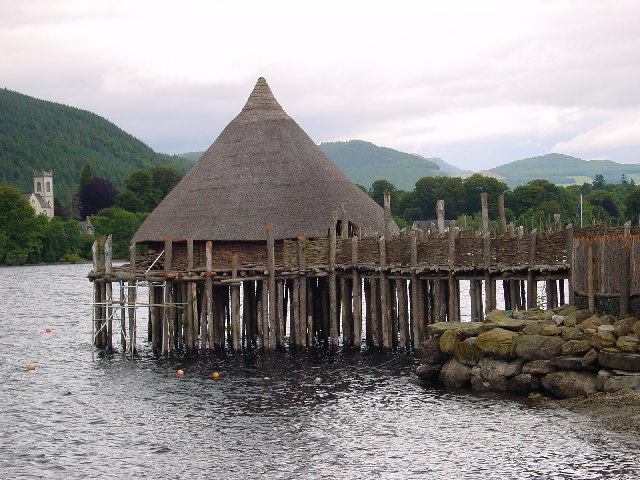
(415, 300)
(403, 315)
(280, 331)
(625, 279)
(571, 261)
(208, 293)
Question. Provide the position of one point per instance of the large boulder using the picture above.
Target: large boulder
(623, 327)
(448, 341)
(572, 333)
(524, 383)
(429, 351)
(618, 382)
(628, 343)
(578, 316)
(536, 347)
(538, 367)
(602, 340)
(466, 351)
(612, 358)
(550, 330)
(573, 363)
(428, 372)
(567, 384)
(592, 322)
(455, 374)
(492, 374)
(514, 324)
(496, 342)
(576, 347)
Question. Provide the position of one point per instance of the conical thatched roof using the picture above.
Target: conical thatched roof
(262, 170)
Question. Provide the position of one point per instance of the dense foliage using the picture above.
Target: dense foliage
(40, 135)
(531, 205)
(27, 238)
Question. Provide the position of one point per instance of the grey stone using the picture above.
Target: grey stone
(524, 383)
(602, 377)
(429, 351)
(623, 327)
(538, 367)
(612, 358)
(466, 351)
(507, 323)
(603, 329)
(536, 347)
(572, 363)
(572, 333)
(628, 343)
(496, 342)
(455, 374)
(559, 319)
(575, 347)
(567, 384)
(428, 372)
(616, 382)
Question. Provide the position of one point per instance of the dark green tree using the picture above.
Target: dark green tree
(598, 182)
(96, 194)
(18, 229)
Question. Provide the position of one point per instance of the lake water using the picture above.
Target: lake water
(83, 415)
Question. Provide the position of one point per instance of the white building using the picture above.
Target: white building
(41, 199)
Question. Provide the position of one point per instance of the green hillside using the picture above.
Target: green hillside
(364, 163)
(41, 135)
(564, 169)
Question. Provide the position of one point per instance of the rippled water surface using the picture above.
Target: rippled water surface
(81, 415)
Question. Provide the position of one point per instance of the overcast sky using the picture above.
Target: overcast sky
(477, 83)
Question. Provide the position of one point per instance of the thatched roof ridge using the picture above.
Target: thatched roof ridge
(262, 170)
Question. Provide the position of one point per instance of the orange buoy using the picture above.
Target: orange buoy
(179, 373)
(47, 330)
(215, 375)
(31, 366)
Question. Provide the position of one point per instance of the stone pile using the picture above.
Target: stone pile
(566, 352)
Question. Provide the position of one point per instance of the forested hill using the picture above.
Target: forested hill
(364, 163)
(41, 135)
(564, 169)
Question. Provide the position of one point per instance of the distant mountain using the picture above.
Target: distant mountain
(448, 168)
(40, 135)
(364, 163)
(564, 169)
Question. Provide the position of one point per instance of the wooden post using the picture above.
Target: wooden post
(503, 219)
(366, 286)
(590, 278)
(387, 215)
(488, 306)
(485, 212)
(280, 330)
(271, 298)
(532, 288)
(384, 302)
(557, 223)
(109, 291)
(168, 252)
(236, 344)
(209, 294)
(189, 254)
(357, 295)
(440, 213)
(333, 314)
(416, 302)
(123, 310)
(187, 315)
(403, 315)
(570, 261)
(294, 309)
(625, 277)
(453, 297)
(305, 332)
(264, 310)
(376, 334)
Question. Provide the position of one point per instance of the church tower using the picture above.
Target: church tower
(43, 186)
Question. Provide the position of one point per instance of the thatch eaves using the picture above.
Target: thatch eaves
(262, 170)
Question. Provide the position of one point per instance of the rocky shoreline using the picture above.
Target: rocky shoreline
(565, 353)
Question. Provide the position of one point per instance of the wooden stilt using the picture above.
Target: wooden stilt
(403, 315)
(357, 295)
(333, 313)
(236, 344)
(384, 297)
(366, 286)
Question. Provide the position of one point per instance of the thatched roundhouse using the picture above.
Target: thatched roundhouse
(262, 170)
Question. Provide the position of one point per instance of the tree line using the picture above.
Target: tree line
(530, 205)
(27, 238)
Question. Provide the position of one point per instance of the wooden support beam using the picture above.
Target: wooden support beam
(236, 341)
(485, 212)
(333, 309)
(440, 214)
(384, 297)
(189, 254)
(304, 332)
(168, 253)
(591, 293)
(271, 285)
(625, 278)
(357, 295)
(208, 293)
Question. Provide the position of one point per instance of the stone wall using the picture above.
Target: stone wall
(566, 352)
